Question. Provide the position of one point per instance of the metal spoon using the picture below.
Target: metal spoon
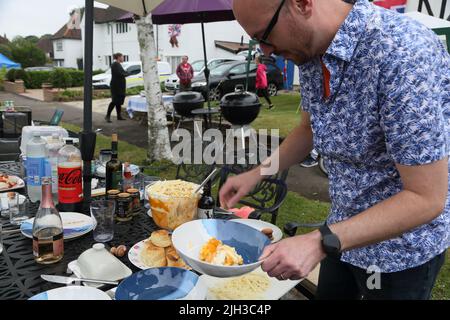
(206, 180)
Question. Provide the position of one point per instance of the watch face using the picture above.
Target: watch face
(331, 243)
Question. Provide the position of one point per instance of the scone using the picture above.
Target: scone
(179, 263)
(161, 238)
(153, 256)
(172, 253)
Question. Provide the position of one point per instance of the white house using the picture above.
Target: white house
(67, 48)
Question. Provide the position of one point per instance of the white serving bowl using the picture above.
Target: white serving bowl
(189, 238)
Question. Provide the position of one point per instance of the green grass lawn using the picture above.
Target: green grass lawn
(283, 117)
(294, 208)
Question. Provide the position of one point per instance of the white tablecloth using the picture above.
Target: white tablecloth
(139, 104)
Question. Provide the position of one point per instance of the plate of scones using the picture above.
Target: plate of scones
(155, 252)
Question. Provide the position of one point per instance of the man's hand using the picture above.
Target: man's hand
(237, 187)
(293, 258)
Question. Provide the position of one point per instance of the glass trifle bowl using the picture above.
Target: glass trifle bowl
(173, 202)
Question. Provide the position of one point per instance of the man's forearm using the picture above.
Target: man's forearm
(422, 199)
(386, 220)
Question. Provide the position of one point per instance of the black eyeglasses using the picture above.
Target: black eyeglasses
(270, 27)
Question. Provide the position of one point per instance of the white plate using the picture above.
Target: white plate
(75, 225)
(275, 291)
(259, 225)
(134, 255)
(20, 184)
(72, 293)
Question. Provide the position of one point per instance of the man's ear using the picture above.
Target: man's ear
(304, 7)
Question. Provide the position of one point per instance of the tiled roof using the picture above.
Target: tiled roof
(65, 33)
(234, 47)
(3, 40)
(46, 45)
(108, 15)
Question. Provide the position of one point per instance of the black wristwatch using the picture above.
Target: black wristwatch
(330, 242)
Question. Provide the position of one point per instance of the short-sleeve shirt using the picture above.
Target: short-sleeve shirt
(389, 102)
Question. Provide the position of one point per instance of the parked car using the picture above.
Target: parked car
(226, 76)
(173, 82)
(135, 78)
(43, 68)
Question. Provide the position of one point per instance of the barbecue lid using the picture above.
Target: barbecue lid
(188, 97)
(240, 98)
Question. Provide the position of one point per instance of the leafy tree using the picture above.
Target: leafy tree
(32, 39)
(27, 54)
(5, 49)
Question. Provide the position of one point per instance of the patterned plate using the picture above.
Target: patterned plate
(75, 225)
(134, 255)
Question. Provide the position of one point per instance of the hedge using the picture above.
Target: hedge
(37, 78)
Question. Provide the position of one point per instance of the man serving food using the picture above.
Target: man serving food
(375, 91)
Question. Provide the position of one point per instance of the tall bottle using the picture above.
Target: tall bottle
(54, 144)
(113, 167)
(36, 157)
(206, 203)
(70, 179)
(48, 234)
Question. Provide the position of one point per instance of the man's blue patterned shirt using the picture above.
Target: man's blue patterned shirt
(389, 103)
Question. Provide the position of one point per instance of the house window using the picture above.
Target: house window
(59, 45)
(108, 60)
(126, 58)
(121, 27)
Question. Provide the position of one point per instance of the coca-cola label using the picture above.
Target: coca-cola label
(69, 184)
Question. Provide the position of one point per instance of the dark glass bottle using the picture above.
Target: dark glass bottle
(113, 168)
(206, 203)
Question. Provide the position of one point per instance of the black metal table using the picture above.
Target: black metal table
(20, 274)
(206, 113)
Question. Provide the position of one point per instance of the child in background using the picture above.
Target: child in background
(261, 81)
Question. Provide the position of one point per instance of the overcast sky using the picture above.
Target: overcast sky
(35, 17)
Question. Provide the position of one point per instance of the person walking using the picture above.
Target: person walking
(376, 106)
(261, 81)
(185, 73)
(118, 87)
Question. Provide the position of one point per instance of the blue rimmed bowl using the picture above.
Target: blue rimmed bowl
(189, 238)
(166, 283)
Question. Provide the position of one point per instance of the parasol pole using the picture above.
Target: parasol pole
(87, 137)
(206, 71)
(251, 44)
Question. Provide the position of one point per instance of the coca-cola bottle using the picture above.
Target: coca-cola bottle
(70, 188)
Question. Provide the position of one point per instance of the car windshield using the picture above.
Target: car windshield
(198, 65)
(220, 69)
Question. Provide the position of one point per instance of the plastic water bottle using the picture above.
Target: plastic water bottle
(54, 144)
(37, 155)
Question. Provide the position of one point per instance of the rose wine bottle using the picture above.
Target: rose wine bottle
(48, 236)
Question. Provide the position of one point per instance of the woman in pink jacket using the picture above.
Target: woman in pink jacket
(261, 81)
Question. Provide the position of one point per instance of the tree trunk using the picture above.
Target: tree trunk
(158, 132)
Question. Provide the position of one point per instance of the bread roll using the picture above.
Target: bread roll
(153, 256)
(161, 238)
(172, 253)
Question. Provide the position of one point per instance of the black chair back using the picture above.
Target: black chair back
(268, 195)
